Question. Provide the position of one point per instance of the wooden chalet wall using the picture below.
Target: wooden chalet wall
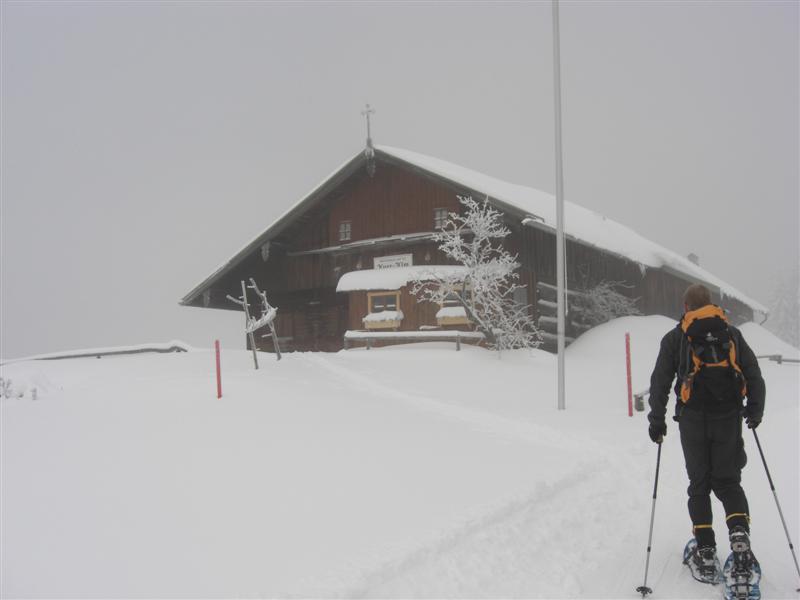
(302, 264)
(306, 260)
(656, 291)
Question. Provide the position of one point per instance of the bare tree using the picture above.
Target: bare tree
(486, 290)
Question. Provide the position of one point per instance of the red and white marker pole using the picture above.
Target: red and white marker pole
(219, 371)
(628, 366)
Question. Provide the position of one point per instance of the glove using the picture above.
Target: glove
(751, 418)
(657, 432)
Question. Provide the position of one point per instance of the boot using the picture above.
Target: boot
(705, 563)
(742, 572)
(740, 540)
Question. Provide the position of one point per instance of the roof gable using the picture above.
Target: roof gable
(532, 206)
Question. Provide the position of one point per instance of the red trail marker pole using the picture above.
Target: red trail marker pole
(628, 366)
(219, 372)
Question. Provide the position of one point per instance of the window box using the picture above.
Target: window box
(452, 315)
(452, 312)
(387, 319)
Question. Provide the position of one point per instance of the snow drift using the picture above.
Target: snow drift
(411, 471)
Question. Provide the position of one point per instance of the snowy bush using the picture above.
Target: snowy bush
(486, 291)
(8, 389)
(784, 314)
(602, 303)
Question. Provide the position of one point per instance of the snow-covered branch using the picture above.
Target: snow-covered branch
(784, 314)
(487, 290)
(602, 303)
(268, 312)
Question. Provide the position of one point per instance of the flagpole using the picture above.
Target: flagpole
(561, 300)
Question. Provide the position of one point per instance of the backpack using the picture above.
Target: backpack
(710, 346)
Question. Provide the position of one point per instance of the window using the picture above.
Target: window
(345, 231)
(383, 301)
(452, 299)
(451, 311)
(384, 311)
(439, 217)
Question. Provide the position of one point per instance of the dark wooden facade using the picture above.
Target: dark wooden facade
(299, 260)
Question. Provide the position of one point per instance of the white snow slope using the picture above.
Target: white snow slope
(408, 471)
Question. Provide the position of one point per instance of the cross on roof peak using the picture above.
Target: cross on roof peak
(368, 110)
(369, 151)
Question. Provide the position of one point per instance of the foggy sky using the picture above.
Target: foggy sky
(143, 144)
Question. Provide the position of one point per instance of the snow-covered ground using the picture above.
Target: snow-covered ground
(407, 471)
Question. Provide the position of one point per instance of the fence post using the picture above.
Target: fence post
(628, 367)
(219, 371)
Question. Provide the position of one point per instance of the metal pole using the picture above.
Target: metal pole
(778, 504)
(561, 304)
(643, 589)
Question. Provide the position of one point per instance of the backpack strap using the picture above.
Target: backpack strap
(687, 382)
(734, 364)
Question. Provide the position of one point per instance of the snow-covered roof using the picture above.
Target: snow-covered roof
(394, 279)
(580, 223)
(537, 207)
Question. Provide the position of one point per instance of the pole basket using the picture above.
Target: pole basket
(644, 590)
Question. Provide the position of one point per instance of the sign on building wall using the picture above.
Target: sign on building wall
(392, 262)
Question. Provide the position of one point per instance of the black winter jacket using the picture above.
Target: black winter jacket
(711, 396)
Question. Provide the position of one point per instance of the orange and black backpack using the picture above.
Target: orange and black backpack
(710, 346)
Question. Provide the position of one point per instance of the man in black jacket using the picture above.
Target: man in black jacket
(709, 415)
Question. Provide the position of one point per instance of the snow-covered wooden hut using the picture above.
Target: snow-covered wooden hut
(338, 264)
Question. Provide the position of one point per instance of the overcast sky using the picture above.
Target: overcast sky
(144, 143)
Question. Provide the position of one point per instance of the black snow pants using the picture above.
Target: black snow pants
(714, 453)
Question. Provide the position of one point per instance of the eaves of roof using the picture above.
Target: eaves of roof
(401, 158)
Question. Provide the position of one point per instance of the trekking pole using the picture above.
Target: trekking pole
(643, 589)
(778, 504)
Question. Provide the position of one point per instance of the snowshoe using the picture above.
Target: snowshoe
(741, 573)
(702, 562)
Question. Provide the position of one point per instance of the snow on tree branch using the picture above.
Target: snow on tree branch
(602, 303)
(487, 290)
(268, 311)
(784, 313)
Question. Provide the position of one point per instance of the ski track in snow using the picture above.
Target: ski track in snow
(510, 551)
(479, 420)
(481, 556)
